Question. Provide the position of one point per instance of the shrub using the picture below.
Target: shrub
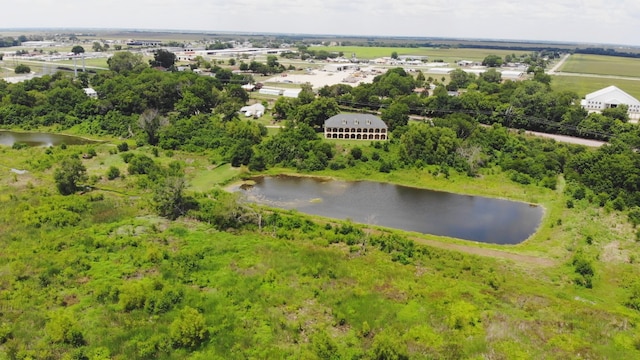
(19, 145)
(113, 173)
(356, 152)
(189, 329)
(126, 157)
(22, 69)
(123, 146)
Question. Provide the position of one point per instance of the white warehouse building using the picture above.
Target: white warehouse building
(611, 97)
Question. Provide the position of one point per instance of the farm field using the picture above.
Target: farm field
(583, 85)
(602, 65)
(446, 55)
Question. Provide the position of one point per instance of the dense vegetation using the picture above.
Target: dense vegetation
(105, 252)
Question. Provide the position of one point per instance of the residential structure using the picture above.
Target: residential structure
(611, 97)
(355, 127)
(90, 92)
(256, 110)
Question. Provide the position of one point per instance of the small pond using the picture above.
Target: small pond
(426, 211)
(8, 138)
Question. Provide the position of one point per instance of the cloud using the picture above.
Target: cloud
(608, 21)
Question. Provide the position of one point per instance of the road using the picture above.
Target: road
(568, 139)
(557, 66)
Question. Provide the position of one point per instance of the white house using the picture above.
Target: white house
(255, 110)
(611, 97)
(90, 92)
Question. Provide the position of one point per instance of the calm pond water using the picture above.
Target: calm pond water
(425, 211)
(9, 138)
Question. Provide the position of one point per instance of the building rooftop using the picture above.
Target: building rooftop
(364, 121)
(612, 94)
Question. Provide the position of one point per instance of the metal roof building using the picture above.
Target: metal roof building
(355, 127)
(611, 97)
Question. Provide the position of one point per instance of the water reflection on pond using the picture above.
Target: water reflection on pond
(8, 138)
(425, 211)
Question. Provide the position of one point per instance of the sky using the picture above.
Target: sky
(582, 21)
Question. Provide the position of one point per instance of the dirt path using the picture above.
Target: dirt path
(518, 258)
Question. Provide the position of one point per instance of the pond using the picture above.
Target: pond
(426, 211)
(9, 138)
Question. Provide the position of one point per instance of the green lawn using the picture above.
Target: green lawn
(205, 179)
(602, 65)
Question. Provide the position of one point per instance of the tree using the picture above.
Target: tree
(169, 198)
(125, 61)
(491, 76)
(97, 46)
(420, 79)
(315, 113)
(150, 122)
(163, 58)
(189, 329)
(394, 55)
(460, 79)
(241, 153)
(69, 174)
(396, 115)
(272, 61)
(77, 50)
(492, 61)
(22, 69)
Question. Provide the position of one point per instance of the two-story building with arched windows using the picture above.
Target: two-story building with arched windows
(355, 127)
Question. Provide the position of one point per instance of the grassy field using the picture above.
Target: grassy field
(302, 286)
(583, 85)
(447, 55)
(602, 65)
(97, 62)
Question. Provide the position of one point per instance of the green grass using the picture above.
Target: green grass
(99, 62)
(205, 179)
(447, 55)
(602, 65)
(273, 293)
(583, 85)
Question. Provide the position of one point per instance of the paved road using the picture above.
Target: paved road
(568, 139)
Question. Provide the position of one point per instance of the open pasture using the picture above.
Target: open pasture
(602, 65)
(583, 85)
(446, 55)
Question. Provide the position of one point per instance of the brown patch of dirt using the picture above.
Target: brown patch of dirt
(612, 253)
(518, 258)
(70, 300)
(390, 292)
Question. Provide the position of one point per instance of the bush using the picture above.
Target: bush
(22, 69)
(126, 157)
(19, 145)
(113, 173)
(356, 153)
(189, 329)
(123, 146)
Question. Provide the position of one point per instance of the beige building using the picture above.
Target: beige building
(355, 127)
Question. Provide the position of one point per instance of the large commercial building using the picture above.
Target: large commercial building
(355, 127)
(611, 97)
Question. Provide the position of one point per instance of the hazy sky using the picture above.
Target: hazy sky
(590, 21)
